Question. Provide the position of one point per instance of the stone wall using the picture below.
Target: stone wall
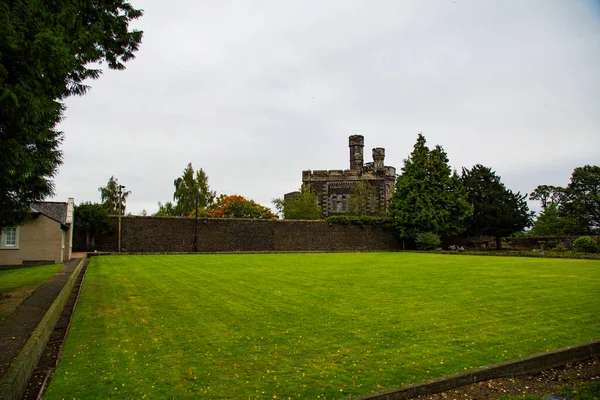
(170, 234)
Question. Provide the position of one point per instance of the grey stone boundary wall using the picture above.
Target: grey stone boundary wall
(14, 382)
(532, 364)
(229, 235)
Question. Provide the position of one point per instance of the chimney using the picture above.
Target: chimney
(356, 143)
(378, 157)
(70, 206)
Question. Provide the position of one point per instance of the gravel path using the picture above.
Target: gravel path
(540, 384)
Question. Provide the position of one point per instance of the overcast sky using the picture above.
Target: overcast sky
(254, 92)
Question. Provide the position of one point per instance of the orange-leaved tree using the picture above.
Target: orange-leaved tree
(235, 206)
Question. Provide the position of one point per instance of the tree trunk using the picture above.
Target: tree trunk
(498, 243)
(90, 241)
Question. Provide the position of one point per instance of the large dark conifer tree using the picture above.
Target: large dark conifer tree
(429, 196)
(497, 211)
(46, 48)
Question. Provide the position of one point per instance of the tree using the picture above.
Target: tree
(361, 196)
(113, 197)
(94, 220)
(577, 205)
(428, 196)
(45, 48)
(236, 207)
(582, 197)
(165, 210)
(189, 188)
(548, 195)
(303, 205)
(497, 211)
(551, 222)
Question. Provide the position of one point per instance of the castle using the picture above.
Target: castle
(334, 188)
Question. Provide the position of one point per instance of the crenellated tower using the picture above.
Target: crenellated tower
(335, 188)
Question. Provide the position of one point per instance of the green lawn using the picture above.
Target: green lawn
(17, 284)
(314, 325)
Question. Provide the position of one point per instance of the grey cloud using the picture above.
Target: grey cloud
(255, 92)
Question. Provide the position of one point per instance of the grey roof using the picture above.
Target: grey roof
(51, 209)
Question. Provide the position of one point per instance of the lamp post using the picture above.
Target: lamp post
(196, 226)
(120, 191)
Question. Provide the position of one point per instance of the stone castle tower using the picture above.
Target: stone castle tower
(334, 187)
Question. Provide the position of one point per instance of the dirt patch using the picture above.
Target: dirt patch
(539, 384)
(9, 301)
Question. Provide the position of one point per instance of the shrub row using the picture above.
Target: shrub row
(361, 220)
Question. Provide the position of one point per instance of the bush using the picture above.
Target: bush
(428, 241)
(585, 244)
(361, 220)
(560, 248)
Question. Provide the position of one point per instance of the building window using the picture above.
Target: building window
(334, 203)
(10, 238)
(344, 204)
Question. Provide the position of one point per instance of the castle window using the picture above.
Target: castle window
(334, 203)
(344, 204)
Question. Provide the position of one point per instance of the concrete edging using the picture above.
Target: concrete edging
(14, 383)
(532, 364)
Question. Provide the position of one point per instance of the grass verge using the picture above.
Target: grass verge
(314, 325)
(17, 284)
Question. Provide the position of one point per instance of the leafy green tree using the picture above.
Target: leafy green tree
(362, 195)
(577, 205)
(165, 210)
(114, 197)
(582, 199)
(189, 187)
(93, 218)
(551, 222)
(235, 206)
(548, 195)
(497, 211)
(46, 48)
(304, 205)
(428, 196)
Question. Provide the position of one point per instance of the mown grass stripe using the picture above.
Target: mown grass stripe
(308, 325)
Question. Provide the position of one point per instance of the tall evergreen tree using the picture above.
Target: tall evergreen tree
(497, 211)
(429, 196)
(189, 187)
(114, 197)
(582, 198)
(45, 50)
(551, 222)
